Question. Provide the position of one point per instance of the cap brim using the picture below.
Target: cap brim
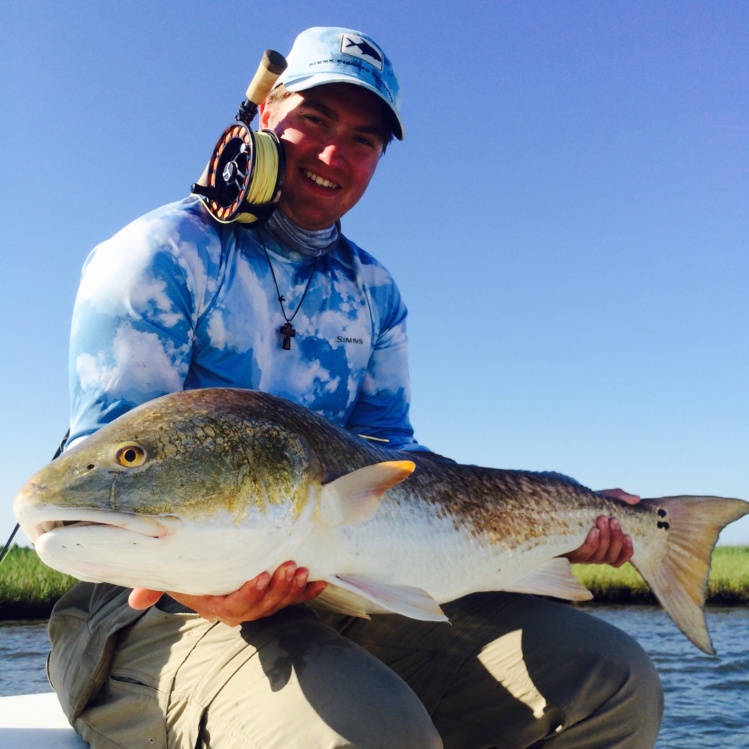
(305, 82)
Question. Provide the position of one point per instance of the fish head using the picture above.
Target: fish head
(179, 477)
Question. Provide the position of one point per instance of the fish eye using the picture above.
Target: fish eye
(130, 456)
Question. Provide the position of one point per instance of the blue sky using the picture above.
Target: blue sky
(567, 217)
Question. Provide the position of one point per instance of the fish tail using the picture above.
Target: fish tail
(677, 570)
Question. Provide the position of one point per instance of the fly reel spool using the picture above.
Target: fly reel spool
(244, 177)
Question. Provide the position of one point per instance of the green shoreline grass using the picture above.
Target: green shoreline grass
(29, 589)
(728, 584)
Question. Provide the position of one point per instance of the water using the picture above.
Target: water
(23, 655)
(707, 698)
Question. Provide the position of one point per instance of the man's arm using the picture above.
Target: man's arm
(132, 326)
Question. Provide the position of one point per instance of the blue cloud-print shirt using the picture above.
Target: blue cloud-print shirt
(178, 301)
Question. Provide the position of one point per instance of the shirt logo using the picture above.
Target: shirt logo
(345, 339)
(362, 49)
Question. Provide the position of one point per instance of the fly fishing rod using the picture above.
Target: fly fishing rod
(243, 179)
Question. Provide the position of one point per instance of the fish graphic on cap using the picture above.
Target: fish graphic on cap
(365, 48)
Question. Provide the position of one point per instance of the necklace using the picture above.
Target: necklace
(287, 329)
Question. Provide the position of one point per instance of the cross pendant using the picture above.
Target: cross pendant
(288, 332)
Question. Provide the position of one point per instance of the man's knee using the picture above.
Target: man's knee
(643, 689)
(353, 725)
(622, 701)
(415, 731)
(308, 686)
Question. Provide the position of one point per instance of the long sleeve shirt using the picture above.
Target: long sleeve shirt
(177, 300)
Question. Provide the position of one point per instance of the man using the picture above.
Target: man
(177, 300)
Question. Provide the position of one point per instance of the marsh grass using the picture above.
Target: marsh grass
(29, 589)
(728, 583)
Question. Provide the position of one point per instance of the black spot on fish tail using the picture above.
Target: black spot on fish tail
(662, 524)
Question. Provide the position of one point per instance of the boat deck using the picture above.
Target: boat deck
(36, 721)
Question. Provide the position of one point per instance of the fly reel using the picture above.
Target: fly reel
(244, 177)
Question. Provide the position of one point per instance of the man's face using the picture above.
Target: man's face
(333, 137)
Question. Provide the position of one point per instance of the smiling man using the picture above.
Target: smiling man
(177, 300)
(333, 138)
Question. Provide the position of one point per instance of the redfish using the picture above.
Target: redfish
(199, 491)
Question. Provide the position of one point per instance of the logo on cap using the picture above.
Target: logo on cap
(362, 49)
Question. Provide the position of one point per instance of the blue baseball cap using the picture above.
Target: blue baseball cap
(329, 54)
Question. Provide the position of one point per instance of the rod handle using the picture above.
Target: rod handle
(271, 66)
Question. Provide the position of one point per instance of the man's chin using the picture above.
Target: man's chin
(315, 218)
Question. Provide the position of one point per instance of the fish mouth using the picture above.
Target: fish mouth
(61, 520)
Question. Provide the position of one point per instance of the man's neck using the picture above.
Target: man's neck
(309, 242)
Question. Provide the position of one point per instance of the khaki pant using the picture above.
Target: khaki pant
(509, 671)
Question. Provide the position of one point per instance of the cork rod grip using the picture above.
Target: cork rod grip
(271, 66)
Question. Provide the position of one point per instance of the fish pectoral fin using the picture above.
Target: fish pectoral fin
(553, 578)
(361, 596)
(356, 496)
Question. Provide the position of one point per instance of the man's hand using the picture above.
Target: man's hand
(606, 543)
(263, 596)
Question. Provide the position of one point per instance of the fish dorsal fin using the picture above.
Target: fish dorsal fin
(553, 578)
(360, 596)
(356, 496)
